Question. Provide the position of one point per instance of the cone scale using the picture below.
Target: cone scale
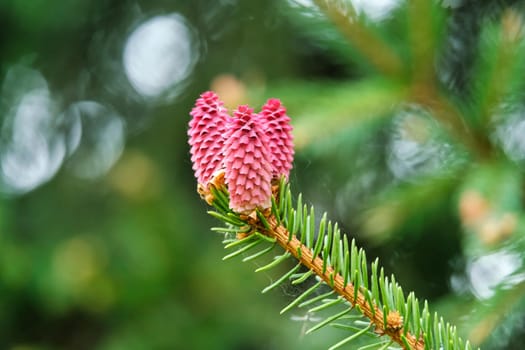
(246, 151)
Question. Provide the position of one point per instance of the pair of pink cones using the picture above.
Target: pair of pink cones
(251, 149)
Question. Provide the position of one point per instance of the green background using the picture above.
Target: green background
(125, 259)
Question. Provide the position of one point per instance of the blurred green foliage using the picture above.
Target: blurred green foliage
(419, 154)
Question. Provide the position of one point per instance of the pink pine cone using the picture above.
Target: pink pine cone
(279, 131)
(206, 135)
(248, 171)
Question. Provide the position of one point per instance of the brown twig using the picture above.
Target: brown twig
(393, 328)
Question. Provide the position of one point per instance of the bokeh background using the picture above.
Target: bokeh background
(104, 242)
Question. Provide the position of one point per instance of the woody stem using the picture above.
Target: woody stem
(315, 263)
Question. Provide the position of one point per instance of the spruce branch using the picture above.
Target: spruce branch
(347, 290)
(258, 216)
(366, 41)
(332, 261)
(424, 88)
